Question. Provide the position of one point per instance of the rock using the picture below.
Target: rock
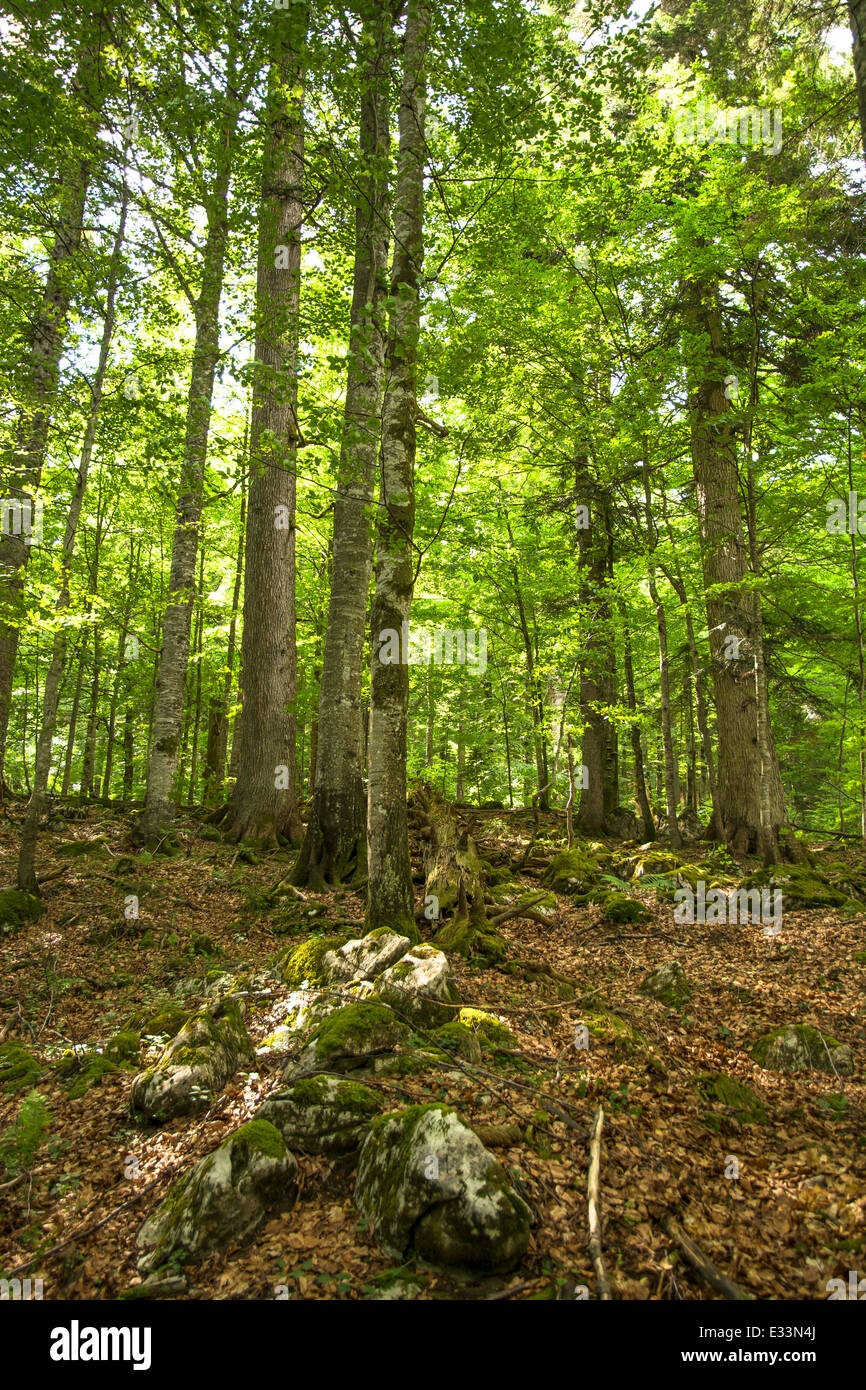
(17, 909)
(573, 871)
(196, 1064)
(623, 824)
(425, 1180)
(365, 957)
(623, 911)
(668, 984)
(456, 1037)
(491, 1031)
(282, 1039)
(736, 1098)
(302, 966)
(77, 849)
(797, 1047)
(18, 1067)
(349, 1038)
(224, 1198)
(801, 886)
(322, 1114)
(166, 1022)
(691, 826)
(419, 987)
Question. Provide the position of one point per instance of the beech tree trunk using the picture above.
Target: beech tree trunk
(389, 901)
(264, 801)
(171, 679)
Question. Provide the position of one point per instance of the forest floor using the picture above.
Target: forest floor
(781, 1220)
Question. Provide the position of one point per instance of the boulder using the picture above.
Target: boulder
(573, 871)
(623, 824)
(797, 1047)
(366, 957)
(351, 1037)
(303, 965)
(419, 987)
(196, 1064)
(668, 984)
(223, 1199)
(322, 1114)
(426, 1182)
(17, 909)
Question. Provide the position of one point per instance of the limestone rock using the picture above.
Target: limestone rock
(349, 1038)
(322, 1114)
(224, 1198)
(668, 984)
(797, 1047)
(196, 1064)
(366, 957)
(419, 987)
(427, 1182)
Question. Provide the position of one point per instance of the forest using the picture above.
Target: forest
(432, 656)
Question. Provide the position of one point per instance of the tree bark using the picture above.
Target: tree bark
(389, 900)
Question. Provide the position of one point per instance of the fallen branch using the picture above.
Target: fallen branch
(704, 1266)
(87, 1230)
(522, 909)
(592, 1203)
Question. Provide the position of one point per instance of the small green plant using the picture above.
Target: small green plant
(18, 1146)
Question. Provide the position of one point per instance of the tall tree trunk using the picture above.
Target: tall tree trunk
(171, 681)
(22, 467)
(857, 16)
(264, 801)
(670, 769)
(649, 829)
(389, 901)
(335, 843)
(51, 695)
(729, 605)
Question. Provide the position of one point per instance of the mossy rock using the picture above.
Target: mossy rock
(738, 1099)
(615, 1031)
(305, 963)
(196, 1064)
(223, 1199)
(123, 1047)
(574, 870)
(668, 984)
(797, 1047)
(801, 886)
(18, 1067)
(624, 911)
(491, 1031)
(79, 849)
(427, 1184)
(349, 1038)
(166, 1022)
(17, 909)
(200, 944)
(456, 1037)
(86, 1072)
(322, 1114)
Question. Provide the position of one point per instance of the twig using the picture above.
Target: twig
(592, 1203)
(705, 1267)
(87, 1230)
(519, 910)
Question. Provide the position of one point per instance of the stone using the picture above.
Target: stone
(419, 987)
(426, 1182)
(223, 1199)
(349, 1038)
(366, 957)
(196, 1064)
(797, 1047)
(322, 1114)
(668, 984)
(17, 908)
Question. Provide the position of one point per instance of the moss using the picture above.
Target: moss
(123, 1047)
(304, 962)
(610, 1028)
(166, 1022)
(489, 1029)
(456, 1037)
(801, 885)
(260, 1136)
(18, 1067)
(91, 1070)
(623, 910)
(17, 909)
(76, 849)
(738, 1098)
(573, 868)
(668, 985)
(356, 1026)
(203, 945)
(812, 1044)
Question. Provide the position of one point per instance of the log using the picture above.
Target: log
(704, 1266)
(592, 1186)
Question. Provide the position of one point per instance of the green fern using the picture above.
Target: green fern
(18, 1146)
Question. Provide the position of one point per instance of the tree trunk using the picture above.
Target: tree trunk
(649, 829)
(670, 769)
(335, 845)
(857, 17)
(264, 801)
(171, 680)
(389, 901)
